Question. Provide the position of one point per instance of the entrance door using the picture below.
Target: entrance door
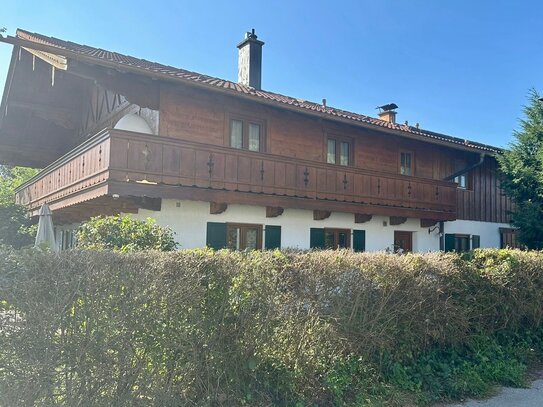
(403, 241)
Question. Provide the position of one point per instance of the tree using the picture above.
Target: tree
(522, 174)
(122, 233)
(16, 229)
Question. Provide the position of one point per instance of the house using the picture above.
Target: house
(229, 164)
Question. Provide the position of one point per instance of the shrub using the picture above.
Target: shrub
(207, 328)
(124, 234)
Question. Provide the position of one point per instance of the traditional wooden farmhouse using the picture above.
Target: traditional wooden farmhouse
(228, 164)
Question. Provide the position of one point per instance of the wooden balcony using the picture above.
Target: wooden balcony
(131, 164)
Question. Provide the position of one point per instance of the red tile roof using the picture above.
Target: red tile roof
(236, 88)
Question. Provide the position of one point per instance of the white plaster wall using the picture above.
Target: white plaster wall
(133, 122)
(188, 220)
(489, 232)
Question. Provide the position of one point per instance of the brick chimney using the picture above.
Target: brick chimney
(387, 112)
(250, 61)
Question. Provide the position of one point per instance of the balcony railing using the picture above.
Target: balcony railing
(122, 156)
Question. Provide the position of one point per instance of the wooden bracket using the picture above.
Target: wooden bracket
(397, 220)
(143, 202)
(273, 211)
(217, 207)
(320, 215)
(427, 223)
(362, 217)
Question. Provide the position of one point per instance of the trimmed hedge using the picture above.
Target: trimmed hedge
(204, 328)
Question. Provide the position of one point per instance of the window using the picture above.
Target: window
(246, 134)
(461, 243)
(406, 163)
(242, 236)
(508, 239)
(337, 239)
(66, 240)
(338, 151)
(461, 181)
(321, 238)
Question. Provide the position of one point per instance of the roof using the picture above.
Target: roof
(152, 69)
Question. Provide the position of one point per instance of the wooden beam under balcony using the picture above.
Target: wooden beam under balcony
(397, 220)
(274, 211)
(321, 215)
(427, 223)
(216, 208)
(362, 217)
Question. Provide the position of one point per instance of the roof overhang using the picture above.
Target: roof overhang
(57, 52)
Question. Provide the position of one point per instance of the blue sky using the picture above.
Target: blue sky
(462, 67)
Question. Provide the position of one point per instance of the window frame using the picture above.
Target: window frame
(243, 236)
(246, 122)
(336, 232)
(458, 238)
(469, 182)
(338, 139)
(412, 154)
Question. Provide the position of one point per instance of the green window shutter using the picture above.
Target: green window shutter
(316, 238)
(273, 237)
(449, 242)
(359, 240)
(475, 241)
(216, 235)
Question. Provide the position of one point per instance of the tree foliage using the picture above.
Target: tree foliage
(16, 229)
(122, 233)
(522, 174)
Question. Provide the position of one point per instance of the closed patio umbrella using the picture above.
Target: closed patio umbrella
(46, 233)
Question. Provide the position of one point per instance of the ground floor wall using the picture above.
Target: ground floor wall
(189, 219)
(489, 232)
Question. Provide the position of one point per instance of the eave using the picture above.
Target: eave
(430, 137)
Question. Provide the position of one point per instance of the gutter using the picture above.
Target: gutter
(469, 168)
(301, 110)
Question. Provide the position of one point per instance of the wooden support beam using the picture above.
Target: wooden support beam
(151, 204)
(217, 207)
(427, 223)
(135, 88)
(273, 211)
(362, 217)
(320, 215)
(397, 220)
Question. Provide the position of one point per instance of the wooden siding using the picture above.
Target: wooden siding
(134, 158)
(484, 200)
(195, 115)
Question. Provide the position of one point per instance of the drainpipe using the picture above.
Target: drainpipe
(463, 171)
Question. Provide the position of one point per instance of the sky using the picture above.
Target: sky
(459, 67)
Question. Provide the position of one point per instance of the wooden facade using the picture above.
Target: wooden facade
(139, 162)
(191, 156)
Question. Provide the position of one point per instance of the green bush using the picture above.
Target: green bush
(124, 234)
(205, 328)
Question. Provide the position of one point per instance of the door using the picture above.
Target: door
(403, 241)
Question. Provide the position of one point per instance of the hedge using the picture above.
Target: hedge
(205, 328)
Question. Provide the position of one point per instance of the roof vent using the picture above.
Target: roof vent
(387, 112)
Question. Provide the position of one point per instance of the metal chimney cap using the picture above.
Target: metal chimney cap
(388, 107)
